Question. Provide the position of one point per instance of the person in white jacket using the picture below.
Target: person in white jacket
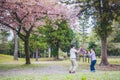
(92, 55)
(73, 52)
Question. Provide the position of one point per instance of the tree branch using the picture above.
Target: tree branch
(25, 16)
(7, 25)
(16, 16)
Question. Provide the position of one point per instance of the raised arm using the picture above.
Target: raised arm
(89, 54)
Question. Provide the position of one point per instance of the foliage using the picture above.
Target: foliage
(117, 37)
(114, 43)
(4, 35)
(4, 43)
(104, 19)
(21, 52)
(66, 36)
(96, 46)
(83, 77)
(91, 45)
(10, 46)
(103, 31)
(76, 39)
(84, 24)
(69, 77)
(38, 42)
(83, 29)
(57, 34)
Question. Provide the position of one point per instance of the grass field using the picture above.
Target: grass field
(55, 70)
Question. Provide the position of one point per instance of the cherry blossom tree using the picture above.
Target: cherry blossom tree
(23, 16)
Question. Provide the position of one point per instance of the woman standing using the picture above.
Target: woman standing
(74, 65)
(92, 55)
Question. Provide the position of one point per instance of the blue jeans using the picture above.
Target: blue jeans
(92, 68)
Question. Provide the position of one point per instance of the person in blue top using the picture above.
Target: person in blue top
(92, 55)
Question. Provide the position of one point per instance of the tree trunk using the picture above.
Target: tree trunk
(15, 46)
(57, 50)
(104, 60)
(27, 55)
(55, 53)
(36, 55)
(49, 52)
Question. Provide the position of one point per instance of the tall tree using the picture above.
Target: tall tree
(103, 12)
(104, 27)
(37, 43)
(58, 35)
(84, 25)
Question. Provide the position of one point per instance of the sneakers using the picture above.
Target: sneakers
(92, 71)
(71, 71)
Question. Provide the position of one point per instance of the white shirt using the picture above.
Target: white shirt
(72, 53)
(92, 55)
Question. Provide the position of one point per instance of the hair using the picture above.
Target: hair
(93, 49)
(72, 46)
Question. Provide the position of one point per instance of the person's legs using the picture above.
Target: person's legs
(92, 68)
(75, 65)
(94, 62)
(71, 68)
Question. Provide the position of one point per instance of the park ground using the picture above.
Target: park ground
(46, 69)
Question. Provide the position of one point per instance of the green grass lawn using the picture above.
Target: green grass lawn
(55, 70)
(114, 75)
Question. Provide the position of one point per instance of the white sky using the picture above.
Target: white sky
(11, 35)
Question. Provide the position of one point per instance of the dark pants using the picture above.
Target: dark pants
(92, 68)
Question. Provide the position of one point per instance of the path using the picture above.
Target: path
(51, 69)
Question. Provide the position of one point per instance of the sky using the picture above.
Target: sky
(11, 35)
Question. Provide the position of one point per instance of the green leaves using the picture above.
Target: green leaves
(57, 33)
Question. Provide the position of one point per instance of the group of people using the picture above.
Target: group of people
(74, 65)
